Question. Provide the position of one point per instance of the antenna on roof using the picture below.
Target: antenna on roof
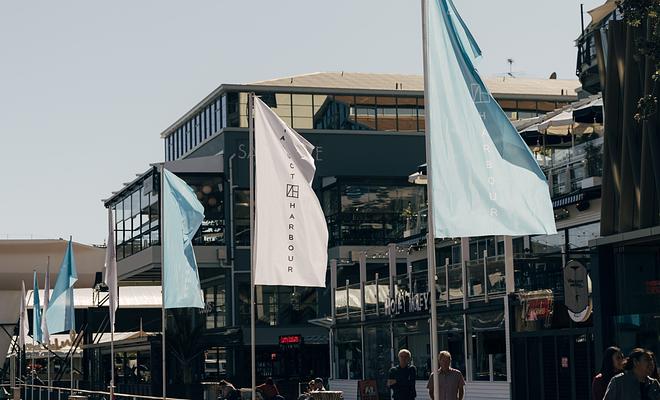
(342, 74)
(510, 61)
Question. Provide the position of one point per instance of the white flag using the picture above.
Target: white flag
(23, 323)
(291, 236)
(45, 336)
(111, 270)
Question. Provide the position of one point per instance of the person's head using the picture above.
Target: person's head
(613, 361)
(318, 382)
(444, 360)
(225, 387)
(653, 366)
(269, 381)
(404, 358)
(638, 362)
(311, 385)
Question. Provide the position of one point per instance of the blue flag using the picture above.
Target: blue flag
(484, 178)
(36, 311)
(60, 316)
(182, 215)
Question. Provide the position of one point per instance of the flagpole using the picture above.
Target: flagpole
(44, 316)
(162, 283)
(34, 330)
(112, 362)
(73, 328)
(253, 251)
(430, 241)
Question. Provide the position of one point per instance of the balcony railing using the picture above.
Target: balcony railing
(567, 169)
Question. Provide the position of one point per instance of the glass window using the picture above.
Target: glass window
(377, 356)
(216, 360)
(407, 114)
(487, 347)
(527, 105)
(414, 336)
(242, 217)
(348, 353)
(371, 214)
(548, 243)
(451, 339)
(386, 113)
(479, 245)
(336, 113)
(365, 112)
(580, 236)
(209, 191)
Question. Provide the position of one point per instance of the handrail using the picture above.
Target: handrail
(116, 394)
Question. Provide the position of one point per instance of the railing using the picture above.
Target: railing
(485, 277)
(566, 168)
(376, 292)
(39, 392)
(348, 301)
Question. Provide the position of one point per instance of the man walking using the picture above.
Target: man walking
(450, 380)
(401, 378)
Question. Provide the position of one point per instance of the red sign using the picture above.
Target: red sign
(538, 308)
(291, 339)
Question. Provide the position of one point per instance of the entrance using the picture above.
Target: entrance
(553, 366)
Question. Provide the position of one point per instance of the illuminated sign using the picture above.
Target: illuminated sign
(291, 339)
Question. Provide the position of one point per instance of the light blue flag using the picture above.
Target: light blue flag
(484, 178)
(182, 215)
(60, 315)
(36, 311)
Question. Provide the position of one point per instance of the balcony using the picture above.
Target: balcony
(573, 169)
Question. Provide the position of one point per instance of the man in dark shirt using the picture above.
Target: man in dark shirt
(401, 378)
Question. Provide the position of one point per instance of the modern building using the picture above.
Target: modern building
(627, 255)
(368, 130)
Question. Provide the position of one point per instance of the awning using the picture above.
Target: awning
(590, 113)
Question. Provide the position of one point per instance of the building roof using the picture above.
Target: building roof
(501, 87)
(19, 258)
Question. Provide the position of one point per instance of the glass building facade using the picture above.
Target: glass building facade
(368, 203)
(321, 112)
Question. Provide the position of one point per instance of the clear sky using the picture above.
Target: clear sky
(86, 87)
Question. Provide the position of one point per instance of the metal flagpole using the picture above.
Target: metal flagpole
(44, 316)
(253, 351)
(71, 360)
(112, 361)
(73, 329)
(430, 241)
(34, 329)
(162, 284)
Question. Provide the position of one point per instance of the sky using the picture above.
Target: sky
(87, 87)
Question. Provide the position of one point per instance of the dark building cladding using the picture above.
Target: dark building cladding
(627, 255)
(368, 138)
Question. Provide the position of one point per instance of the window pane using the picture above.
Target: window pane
(580, 236)
(548, 243)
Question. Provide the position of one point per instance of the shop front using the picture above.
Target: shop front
(378, 317)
